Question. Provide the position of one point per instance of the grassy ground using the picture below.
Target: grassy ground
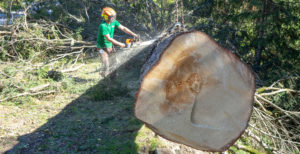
(86, 113)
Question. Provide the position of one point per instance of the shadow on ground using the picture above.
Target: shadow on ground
(99, 121)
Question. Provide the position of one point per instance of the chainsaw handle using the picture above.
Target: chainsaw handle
(136, 39)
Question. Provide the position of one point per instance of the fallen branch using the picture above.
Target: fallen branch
(276, 137)
(5, 33)
(5, 74)
(11, 56)
(277, 107)
(71, 69)
(277, 91)
(260, 104)
(75, 61)
(27, 94)
(65, 55)
(259, 140)
(246, 148)
(39, 88)
(289, 77)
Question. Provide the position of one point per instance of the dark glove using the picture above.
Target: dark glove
(136, 39)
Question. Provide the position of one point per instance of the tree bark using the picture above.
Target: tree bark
(260, 36)
(195, 92)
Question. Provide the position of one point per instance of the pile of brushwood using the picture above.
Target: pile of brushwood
(40, 52)
(275, 122)
(40, 39)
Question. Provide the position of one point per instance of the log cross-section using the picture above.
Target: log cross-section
(195, 92)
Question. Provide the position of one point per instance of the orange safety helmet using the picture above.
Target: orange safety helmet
(108, 12)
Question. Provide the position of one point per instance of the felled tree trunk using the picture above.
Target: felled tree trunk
(195, 92)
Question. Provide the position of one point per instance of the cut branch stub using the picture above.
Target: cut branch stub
(195, 92)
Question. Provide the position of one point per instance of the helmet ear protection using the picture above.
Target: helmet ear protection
(108, 13)
(105, 17)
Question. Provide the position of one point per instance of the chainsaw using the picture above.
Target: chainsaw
(131, 41)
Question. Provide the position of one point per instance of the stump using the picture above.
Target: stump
(195, 92)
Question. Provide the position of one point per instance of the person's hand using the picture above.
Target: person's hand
(136, 37)
(122, 45)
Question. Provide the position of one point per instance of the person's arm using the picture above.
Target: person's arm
(128, 31)
(113, 41)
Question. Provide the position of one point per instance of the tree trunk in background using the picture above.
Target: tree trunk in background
(148, 3)
(86, 5)
(260, 36)
(195, 92)
(9, 13)
(2, 10)
(161, 12)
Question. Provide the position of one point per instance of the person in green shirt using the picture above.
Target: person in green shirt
(105, 40)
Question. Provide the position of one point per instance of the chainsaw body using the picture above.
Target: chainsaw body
(130, 42)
